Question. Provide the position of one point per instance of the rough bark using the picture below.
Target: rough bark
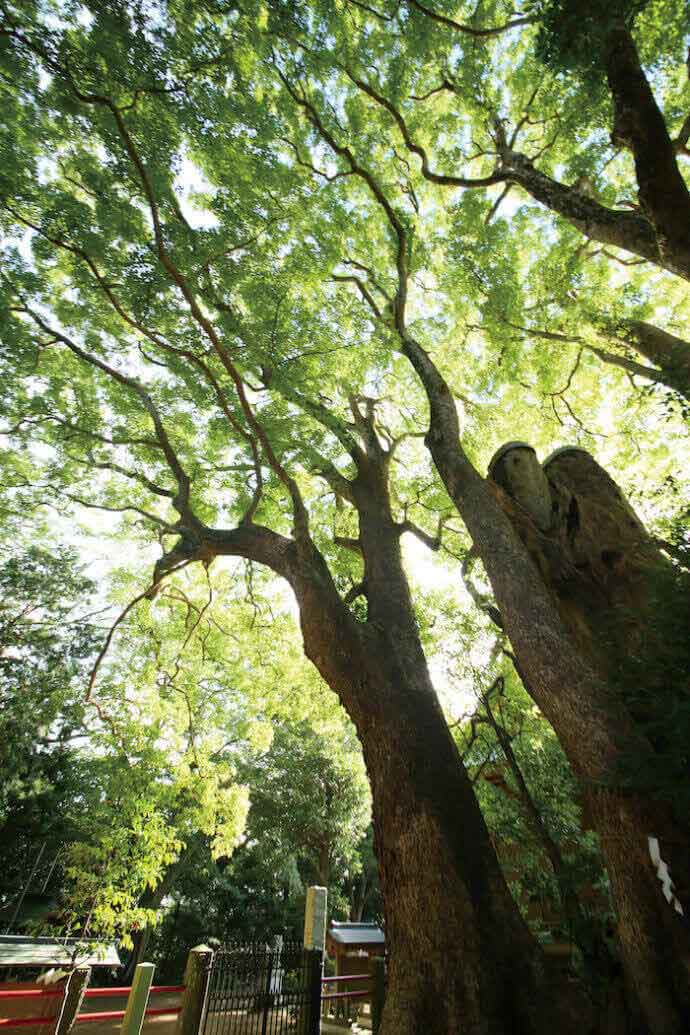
(606, 572)
(640, 125)
(629, 605)
(660, 230)
(592, 726)
(631, 231)
(462, 959)
(667, 351)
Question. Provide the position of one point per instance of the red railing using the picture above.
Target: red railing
(114, 1015)
(96, 993)
(29, 993)
(345, 995)
(21, 1022)
(100, 1015)
(91, 993)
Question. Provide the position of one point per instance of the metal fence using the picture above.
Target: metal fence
(258, 990)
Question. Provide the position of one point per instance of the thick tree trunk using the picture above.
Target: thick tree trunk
(459, 952)
(609, 578)
(462, 960)
(593, 727)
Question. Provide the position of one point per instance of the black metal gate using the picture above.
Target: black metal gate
(257, 990)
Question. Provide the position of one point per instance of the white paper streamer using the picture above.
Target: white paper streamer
(663, 874)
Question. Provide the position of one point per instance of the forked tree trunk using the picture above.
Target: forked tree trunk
(461, 958)
(609, 579)
(462, 961)
(593, 726)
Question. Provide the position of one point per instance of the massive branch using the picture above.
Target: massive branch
(654, 237)
(640, 126)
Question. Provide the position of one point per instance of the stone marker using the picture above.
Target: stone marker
(315, 918)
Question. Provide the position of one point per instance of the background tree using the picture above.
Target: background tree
(47, 640)
(311, 798)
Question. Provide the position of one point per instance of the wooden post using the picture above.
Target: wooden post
(311, 1019)
(196, 980)
(377, 970)
(314, 944)
(77, 983)
(138, 999)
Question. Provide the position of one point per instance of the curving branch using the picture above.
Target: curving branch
(299, 509)
(165, 526)
(394, 221)
(341, 486)
(325, 417)
(181, 282)
(146, 594)
(181, 500)
(444, 179)
(433, 542)
(479, 32)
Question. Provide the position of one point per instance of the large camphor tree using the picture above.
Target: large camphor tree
(235, 310)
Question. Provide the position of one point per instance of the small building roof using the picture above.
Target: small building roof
(16, 950)
(356, 934)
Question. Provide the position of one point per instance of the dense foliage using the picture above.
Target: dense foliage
(277, 280)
